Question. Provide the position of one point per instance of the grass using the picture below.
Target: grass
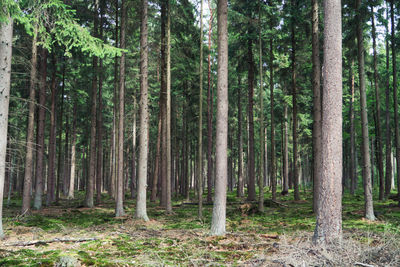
(182, 239)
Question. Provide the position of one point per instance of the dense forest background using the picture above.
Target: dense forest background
(74, 124)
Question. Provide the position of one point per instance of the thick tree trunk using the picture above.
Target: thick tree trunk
(395, 101)
(6, 32)
(119, 207)
(141, 211)
(369, 208)
(388, 169)
(26, 198)
(378, 113)
(329, 215)
(250, 80)
(316, 83)
(37, 203)
(219, 209)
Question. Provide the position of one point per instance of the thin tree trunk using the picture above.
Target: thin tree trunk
(37, 203)
(250, 80)
(395, 102)
(285, 188)
(133, 171)
(200, 134)
(316, 83)
(209, 112)
(271, 88)
(240, 188)
(219, 209)
(329, 215)
(119, 208)
(141, 211)
(163, 105)
(353, 166)
(73, 156)
(262, 147)
(52, 140)
(59, 161)
(369, 208)
(153, 196)
(294, 104)
(388, 175)
(6, 33)
(26, 198)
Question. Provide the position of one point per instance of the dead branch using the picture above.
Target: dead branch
(43, 242)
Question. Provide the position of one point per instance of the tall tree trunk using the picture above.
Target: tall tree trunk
(168, 110)
(153, 196)
(60, 161)
(6, 32)
(92, 158)
(369, 208)
(219, 210)
(200, 134)
(141, 212)
(73, 156)
(285, 140)
(133, 170)
(329, 215)
(209, 111)
(37, 203)
(262, 147)
(378, 113)
(240, 185)
(353, 166)
(271, 88)
(294, 104)
(250, 80)
(119, 208)
(395, 102)
(26, 198)
(163, 106)
(52, 139)
(316, 83)
(388, 174)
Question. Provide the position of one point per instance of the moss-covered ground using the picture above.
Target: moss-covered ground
(278, 237)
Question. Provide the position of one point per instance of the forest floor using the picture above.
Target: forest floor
(279, 237)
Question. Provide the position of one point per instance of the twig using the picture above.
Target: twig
(363, 264)
(42, 242)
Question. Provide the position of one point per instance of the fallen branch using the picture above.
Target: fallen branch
(363, 264)
(280, 204)
(43, 242)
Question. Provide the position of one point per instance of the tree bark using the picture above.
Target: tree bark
(353, 166)
(141, 212)
(6, 33)
(388, 169)
(285, 188)
(209, 112)
(294, 104)
(395, 101)
(271, 88)
(316, 83)
(37, 203)
(26, 198)
(73, 156)
(219, 208)
(378, 113)
(329, 215)
(262, 146)
(240, 187)
(200, 133)
(119, 207)
(369, 208)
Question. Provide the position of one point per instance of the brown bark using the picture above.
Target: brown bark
(240, 185)
(73, 156)
(271, 88)
(316, 83)
(200, 133)
(60, 161)
(141, 212)
(163, 106)
(388, 174)
(395, 101)
(219, 209)
(285, 140)
(209, 111)
(353, 166)
(329, 215)
(369, 209)
(26, 198)
(378, 113)
(40, 131)
(119, 208)
(250, 81)
(262, 140)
